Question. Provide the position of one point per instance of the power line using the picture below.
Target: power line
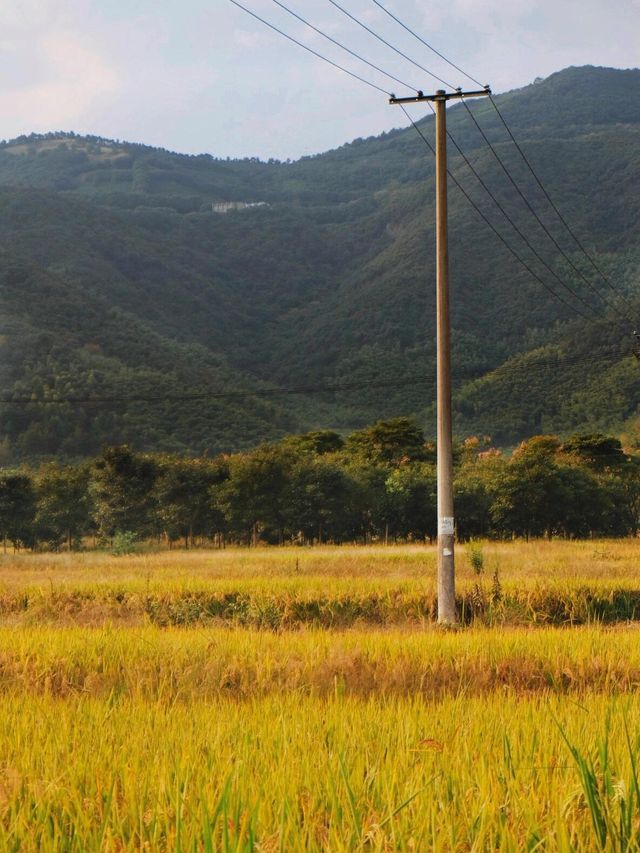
(518, 230)
(515, 227)
(618, 293)
(426, 44)
(344, 47)
(341, 68)
(507, 367)
(407, 85)
(309, 49)
(218, 395)
(508, 174)
(562, 219)
(533, 211)
(388, 44)
(499, 160)
(366, 82)
(361, 79)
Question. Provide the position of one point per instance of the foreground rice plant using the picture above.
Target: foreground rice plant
(299, 773)
(142, 738)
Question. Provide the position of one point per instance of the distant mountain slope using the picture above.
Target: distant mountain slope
(119, 278)
(59, 340)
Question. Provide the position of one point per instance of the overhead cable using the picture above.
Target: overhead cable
(426, 44)
(470, 165)
(615, 290)
(509, 367)
(503, 166)
(344, 47)
(535, 214)
(562, 219)
(388, 44)
(309, 49)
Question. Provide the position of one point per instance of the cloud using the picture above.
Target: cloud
(70, 77)
(248, 39)
(201, 75)
(29, 17)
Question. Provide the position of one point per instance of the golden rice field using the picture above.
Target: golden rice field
(298, 699)
(331, 587)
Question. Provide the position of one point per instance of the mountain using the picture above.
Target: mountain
(133, 272)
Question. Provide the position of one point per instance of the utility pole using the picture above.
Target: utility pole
(446, 527)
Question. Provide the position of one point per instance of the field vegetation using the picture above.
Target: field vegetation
(143, 738)
(302, 698)
(164, 686)
(301, 773)
(518, 583)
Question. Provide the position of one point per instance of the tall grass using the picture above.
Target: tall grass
(518, 561)
(285, 603)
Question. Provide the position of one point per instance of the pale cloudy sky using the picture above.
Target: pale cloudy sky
(201, 75)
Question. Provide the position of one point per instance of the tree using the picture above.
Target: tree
(624, 485)
(585, 505)
(387, 442)
(122, 484)
(412, 501)
(369, 509)
(315, 443)
(17, 509)
(528, 490)
(598, 451)
(182, 495)
(320, 501)
(253, 498)
(63, 504)
(618, 475)
(475, 489)
(542, 491)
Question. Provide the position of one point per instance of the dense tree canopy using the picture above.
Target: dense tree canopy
(377, 485)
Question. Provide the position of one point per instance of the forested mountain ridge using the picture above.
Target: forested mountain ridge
(119, 278)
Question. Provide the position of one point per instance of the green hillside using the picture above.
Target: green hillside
(120, 278)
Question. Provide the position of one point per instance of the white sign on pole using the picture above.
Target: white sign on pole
(445, 526)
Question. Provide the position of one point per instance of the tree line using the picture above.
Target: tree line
(377, 484)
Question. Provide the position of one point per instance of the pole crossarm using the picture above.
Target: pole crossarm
(441, 95)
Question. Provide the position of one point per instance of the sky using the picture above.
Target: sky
(203, 76)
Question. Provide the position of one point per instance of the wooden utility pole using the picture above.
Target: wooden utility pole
(446, 526)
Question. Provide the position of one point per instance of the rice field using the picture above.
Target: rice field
(557, 583)
(121, 730)
(533, 562)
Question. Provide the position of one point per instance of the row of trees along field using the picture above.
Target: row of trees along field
(377, 484)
